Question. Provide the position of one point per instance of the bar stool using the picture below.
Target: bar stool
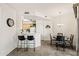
(21, 38)
(31, 38)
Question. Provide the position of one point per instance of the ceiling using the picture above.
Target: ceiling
(43, 9)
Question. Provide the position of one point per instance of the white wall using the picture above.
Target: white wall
(40, 28)
(19, 17)
(7, 34)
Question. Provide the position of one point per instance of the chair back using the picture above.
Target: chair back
(59, 34)
(60, 38)
(21, 37)
(71, 38)
(30, 37)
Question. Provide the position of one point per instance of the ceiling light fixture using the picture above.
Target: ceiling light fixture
(45, 16)
(26, 12)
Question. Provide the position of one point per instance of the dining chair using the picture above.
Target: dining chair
(52, 39)
(69, 42)
(60, 42)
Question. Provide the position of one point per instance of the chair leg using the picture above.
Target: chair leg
(56, 46)
(51, 42)
(71, 46)
(24, 45)
(34, 49)
(34, 45)
(27, 46)
(17, 47)
(63, 49)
